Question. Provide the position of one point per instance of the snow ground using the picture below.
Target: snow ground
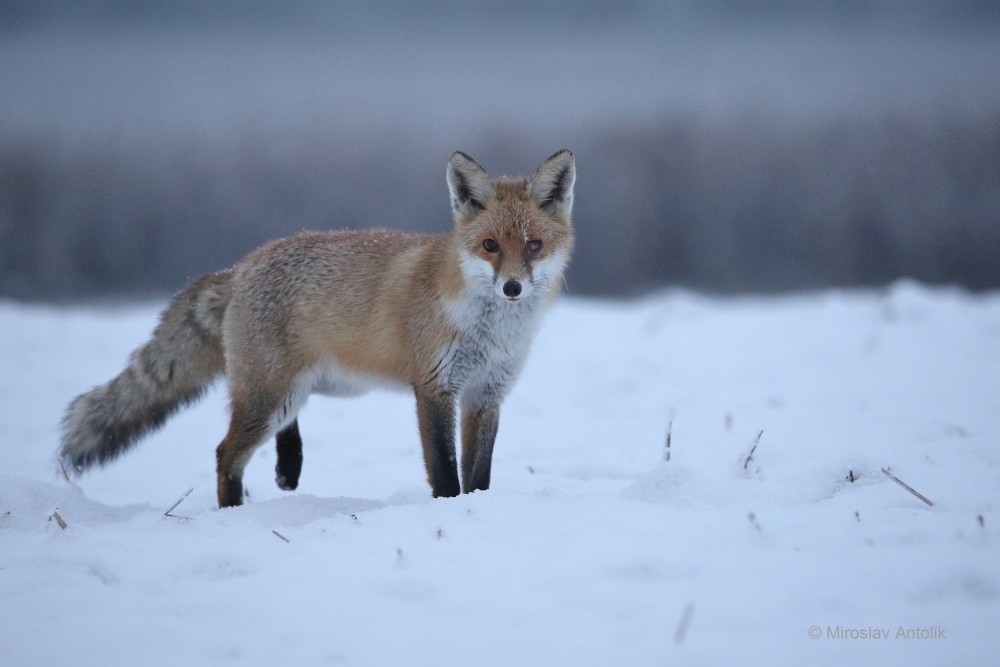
(590, 549)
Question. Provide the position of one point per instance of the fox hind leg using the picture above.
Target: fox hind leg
(289, 465)
(254, 419)
(232, 456)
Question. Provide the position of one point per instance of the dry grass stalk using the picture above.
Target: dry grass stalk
(670, 434)
(684, 624)
(746, 464)
(174, 506)
(907, 487)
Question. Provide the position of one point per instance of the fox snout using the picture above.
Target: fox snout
(512, 288)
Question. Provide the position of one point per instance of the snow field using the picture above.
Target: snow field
(590, 548)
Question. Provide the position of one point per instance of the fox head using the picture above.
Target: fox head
(514, 235)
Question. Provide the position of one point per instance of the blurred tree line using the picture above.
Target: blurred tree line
(746, 206)
(743, 201)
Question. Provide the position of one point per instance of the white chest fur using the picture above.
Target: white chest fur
(494, 337)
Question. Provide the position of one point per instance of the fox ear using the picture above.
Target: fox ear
(552, 184)
(468, 183)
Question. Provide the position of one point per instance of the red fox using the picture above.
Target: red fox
(449, 316)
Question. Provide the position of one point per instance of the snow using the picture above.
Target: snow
(590, 549)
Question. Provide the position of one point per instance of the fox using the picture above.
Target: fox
(448, 316)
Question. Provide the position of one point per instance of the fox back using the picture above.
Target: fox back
(449, 317)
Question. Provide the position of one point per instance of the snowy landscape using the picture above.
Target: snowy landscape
(678, 479)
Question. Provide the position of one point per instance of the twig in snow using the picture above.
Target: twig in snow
(281, 536)
(670, 435)
(685, 622)
(982, 521)
(65, 475)
(857, 516)
(59, 520)
(907, 487)
(746, 464)
(440, 533)
(174, 506)
(851, 477)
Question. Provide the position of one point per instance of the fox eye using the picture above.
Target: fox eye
(534, 246)
(489, 245)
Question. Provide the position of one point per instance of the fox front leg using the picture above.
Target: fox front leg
(289, 466)
(479, 432)
(436, 419)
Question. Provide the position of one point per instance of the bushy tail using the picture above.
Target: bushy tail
(170, 371)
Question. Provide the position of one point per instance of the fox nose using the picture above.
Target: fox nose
(512, 289)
